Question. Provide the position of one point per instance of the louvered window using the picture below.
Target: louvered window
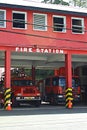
(40, 22)
(2, 19)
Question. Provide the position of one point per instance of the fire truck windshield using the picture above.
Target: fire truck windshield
(61, 81)
(22, 83)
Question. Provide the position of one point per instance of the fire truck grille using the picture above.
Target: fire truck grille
(26, 91)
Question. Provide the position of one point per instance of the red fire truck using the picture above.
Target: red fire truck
(23, 91)
(54, 88)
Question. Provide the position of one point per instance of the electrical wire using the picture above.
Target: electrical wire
(41, 36)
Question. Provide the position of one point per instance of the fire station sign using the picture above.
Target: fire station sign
(39, 50)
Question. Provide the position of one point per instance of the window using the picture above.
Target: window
(22, 83)
(19, 20)
(77, 25)
(59, 23)
(40, 22)
(55, 81)
(62, 82)
(2, 18)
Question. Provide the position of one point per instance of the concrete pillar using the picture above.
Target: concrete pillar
(7, 69)
(68, 66)
(7, 80)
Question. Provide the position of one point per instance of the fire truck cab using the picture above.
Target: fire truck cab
(23, 91)
(55, 86)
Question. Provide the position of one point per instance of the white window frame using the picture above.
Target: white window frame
(20, 12)
(45, 21)
(82, 19)
(4, 19)
(64, 28)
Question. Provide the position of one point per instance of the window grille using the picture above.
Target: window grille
(19, 20)
(59, 24)
(77, 25)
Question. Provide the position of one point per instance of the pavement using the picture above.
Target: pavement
(44, 118)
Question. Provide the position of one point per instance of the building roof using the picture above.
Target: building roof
(24, 4)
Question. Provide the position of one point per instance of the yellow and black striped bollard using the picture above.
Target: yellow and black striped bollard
(69, 98)
(7, 99)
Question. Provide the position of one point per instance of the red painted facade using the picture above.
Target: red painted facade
(29, 37)
(13, 39)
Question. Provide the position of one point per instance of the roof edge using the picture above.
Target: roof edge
(43, 9)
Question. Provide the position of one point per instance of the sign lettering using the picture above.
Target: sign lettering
(39, 50)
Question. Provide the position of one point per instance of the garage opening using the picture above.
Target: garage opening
(48, 67)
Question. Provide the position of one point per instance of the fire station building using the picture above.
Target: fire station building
(43, 36)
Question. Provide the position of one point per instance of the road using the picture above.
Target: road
(44, 118)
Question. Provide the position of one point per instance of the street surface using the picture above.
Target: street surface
(44, 118)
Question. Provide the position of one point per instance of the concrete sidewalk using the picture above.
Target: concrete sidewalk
(45, 122)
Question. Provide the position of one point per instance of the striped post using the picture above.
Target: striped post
(69, 98)
(7, 99)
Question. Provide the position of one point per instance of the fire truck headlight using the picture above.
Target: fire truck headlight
(17, 98)
(19, 94)
(38, 94)
(38, 97)
(78, 96)
(60, 96)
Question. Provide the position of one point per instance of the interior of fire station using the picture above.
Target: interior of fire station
(43, 65)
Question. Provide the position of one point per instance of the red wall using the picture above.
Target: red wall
(26, 40)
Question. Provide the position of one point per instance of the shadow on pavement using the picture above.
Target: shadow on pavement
(43, 109)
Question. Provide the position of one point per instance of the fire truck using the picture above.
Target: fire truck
(23, 91)
(54, 88)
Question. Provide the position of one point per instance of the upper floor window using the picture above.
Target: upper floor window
(19, 20)
(77, 25)
(2, 18)
(59, 23)
(40, 22)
